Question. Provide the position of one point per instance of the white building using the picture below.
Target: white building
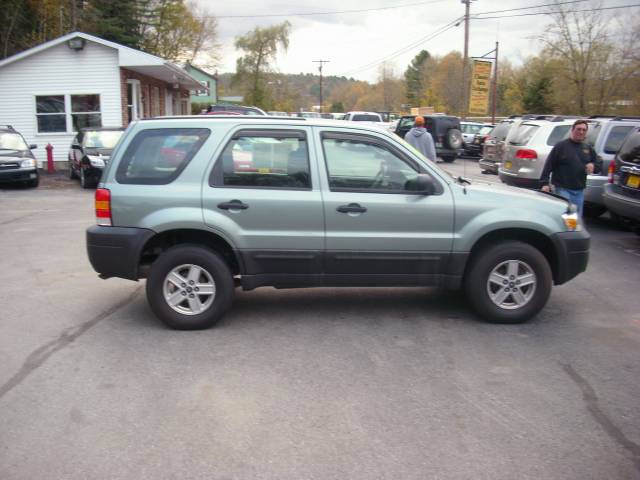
(78, 80)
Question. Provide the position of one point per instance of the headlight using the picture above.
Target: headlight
(96, 161)
(28, 163)
(572, 221)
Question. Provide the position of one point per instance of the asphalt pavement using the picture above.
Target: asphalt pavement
(353, 383)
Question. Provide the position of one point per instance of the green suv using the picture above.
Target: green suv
(202, 205)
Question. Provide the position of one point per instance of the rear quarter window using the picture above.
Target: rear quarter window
(616, 138)
(558, 133)
(158, 156)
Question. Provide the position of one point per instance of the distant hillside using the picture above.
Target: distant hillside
(301, 90)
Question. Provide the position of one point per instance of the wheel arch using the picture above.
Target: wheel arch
(538, 240)
(162, 241)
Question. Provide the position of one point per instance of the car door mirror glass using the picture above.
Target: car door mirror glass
(422, 183)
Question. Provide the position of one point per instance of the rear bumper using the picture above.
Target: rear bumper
(115, 251)
(516, 181)
(594, 189)
(623, 205)
(489, 165)
(572, 254)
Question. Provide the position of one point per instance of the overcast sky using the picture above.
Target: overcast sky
(356, 43)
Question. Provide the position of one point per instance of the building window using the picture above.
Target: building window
(67, 113)
(85, 111)
(203, 92)
(50, 113)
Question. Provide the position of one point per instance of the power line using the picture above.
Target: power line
(532, 6)
(431, 36)
(327, 13)
(551, 13)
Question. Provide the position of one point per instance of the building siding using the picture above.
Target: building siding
(59, 71)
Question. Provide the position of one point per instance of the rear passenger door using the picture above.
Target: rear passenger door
(262, 194)
(377, 231)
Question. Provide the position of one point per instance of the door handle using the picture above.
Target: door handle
(233, 205)
(351, 208)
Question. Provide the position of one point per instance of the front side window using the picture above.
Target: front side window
(264, 160)
(157, 157)
(50, 113)
(364, 165)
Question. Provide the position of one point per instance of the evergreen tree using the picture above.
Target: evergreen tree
(414, 77)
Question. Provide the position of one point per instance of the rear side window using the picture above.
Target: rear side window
(616, 137)
(156, 157)
(264, 159)
(630, 150)
(523, 134)
(558, 133)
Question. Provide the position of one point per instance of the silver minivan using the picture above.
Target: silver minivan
(527, 146)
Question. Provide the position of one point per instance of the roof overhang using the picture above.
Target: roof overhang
(168, 73)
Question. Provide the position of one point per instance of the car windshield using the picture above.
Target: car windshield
(102, 138)
(406, 122)
(366, 118)
(470, 127)
(12, 141)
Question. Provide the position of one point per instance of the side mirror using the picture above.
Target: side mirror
(423, 184)
(32, 146)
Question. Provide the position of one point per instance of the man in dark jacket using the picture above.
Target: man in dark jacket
(568, 165)
(421, 140)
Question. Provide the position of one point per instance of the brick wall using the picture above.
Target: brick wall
(146, 85)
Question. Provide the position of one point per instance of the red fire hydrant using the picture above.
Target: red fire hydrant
(49, 149)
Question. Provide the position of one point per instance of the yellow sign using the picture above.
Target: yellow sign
(480, 80)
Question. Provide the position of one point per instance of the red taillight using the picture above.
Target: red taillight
(103, 206)
(526, 154)
(611, 170)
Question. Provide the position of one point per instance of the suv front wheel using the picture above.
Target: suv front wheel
(189, 287)
(509, 282)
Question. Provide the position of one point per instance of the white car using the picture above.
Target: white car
(363, 117)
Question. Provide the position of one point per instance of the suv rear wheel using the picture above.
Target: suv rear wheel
(453, 139)
(509, 282)
(189, 287)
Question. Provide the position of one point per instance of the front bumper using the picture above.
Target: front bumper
(18, 175)
(116, 251)
(623, 205)
(572, 254)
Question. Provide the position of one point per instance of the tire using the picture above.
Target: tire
(186, 262)
(33, 183)
(497, 261)
(85, 182)
(72, 173)
(592, 210)
(453, 139)
(448, 159)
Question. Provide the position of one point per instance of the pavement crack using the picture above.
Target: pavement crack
(610, 428)
(39, 356)
(16, 219)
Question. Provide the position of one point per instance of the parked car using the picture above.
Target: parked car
(444, 129)
(363, 117)
(231, 109)
(622, 193)
(274, 113)
(528, 144)
(493, 148)
(474, 148)
(90, 151)
(307, 115)
(469, 130)
(605, 135)
(17, 163)
(359, 208)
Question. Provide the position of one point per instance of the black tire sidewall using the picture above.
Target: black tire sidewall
(483, 264)
(204, 258)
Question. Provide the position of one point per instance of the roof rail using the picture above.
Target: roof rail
(626, 117)
(8, 127)
(211, 117)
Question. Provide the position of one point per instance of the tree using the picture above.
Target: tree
(337, 107)
(260, 47)
(414, 77)
(114, 20)
(447, 84)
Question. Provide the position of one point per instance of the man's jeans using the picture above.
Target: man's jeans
(574, 196)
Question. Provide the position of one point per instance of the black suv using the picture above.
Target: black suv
(444, 129)
(90, 151)
(17, 163)
(622, 194)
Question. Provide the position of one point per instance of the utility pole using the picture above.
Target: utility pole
(494, 92)
(465, 66)
(321, 62)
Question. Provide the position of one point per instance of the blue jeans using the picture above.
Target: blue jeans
(574, 196)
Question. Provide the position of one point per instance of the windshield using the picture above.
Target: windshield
(102, 139)
(366, 118)
(12, 141)
(470, 127)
